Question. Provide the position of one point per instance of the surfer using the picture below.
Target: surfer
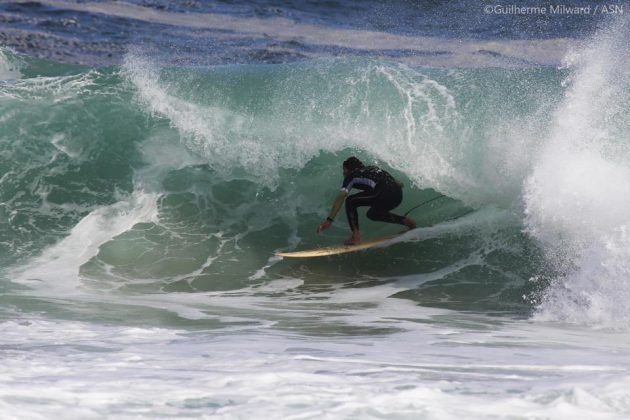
(379, 190)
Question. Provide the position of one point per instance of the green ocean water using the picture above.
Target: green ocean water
(242, 161)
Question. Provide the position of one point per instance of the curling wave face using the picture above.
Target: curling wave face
(143, 180)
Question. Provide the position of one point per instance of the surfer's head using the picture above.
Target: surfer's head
(351, 164)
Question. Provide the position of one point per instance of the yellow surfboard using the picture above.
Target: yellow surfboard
(334, 250)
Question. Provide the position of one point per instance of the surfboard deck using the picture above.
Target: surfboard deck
(335, 250)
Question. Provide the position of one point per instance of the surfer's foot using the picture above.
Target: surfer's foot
(410, 223)
(354, 239)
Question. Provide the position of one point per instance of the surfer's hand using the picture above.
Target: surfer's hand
(323, 226)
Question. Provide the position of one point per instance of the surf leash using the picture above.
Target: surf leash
(423, 203)
(466, 213)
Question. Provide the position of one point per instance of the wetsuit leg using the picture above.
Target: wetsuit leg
(386, 201)
(358, 200)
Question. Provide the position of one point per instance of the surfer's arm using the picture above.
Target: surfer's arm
(341, 198)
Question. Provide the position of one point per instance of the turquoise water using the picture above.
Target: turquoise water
(241, 161)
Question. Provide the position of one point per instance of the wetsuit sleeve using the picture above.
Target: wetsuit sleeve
(347, 184)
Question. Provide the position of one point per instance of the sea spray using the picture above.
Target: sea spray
(577, 198)
(262, 120)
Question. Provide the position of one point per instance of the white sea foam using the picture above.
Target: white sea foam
(74, 370)
(577, 198)
(53, 90)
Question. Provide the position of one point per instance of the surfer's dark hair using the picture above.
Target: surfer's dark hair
(352, 163)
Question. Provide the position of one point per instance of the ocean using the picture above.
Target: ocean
(154, 155)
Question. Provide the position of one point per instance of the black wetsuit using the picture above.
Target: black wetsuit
(380, 191)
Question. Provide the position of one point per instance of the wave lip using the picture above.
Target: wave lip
(57, 269)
